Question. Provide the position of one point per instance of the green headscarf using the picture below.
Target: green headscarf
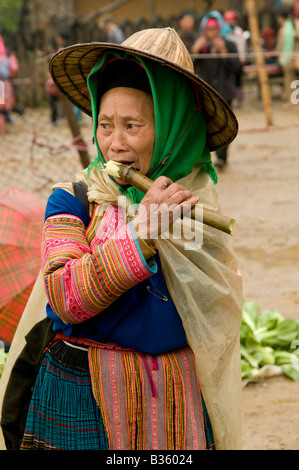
(180, 126)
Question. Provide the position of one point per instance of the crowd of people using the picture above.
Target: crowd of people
(220, 50)
(217, 35)
(280, 42)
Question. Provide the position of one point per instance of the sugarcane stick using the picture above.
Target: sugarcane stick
(143, 183)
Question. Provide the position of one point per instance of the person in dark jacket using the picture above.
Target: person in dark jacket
(186, 29)
(219, 69)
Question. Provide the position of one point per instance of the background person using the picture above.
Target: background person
(219, 71)
(295, 13)
(186, 29)
(285, 47)
(8, 101)
(269, 39)
(240, 38)
(114, 34)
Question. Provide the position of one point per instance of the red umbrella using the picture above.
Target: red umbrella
(21, 222)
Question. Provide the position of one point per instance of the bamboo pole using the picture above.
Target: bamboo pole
(260, 61)
(75, 130)
(143, 183)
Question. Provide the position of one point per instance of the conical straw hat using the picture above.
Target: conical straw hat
(71, 66)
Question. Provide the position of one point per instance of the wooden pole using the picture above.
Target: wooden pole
(260, 61)
(75, 129)
(107, 9)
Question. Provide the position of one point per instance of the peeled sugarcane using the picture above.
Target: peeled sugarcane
(142, 182)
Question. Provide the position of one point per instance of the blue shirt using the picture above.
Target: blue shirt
(139, 319)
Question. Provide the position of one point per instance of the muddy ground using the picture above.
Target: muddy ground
(259, 188)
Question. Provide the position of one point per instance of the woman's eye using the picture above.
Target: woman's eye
(105, 126)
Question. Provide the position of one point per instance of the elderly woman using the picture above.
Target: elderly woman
(145, 354)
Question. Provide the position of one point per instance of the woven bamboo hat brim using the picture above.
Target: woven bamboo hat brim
(71, 66)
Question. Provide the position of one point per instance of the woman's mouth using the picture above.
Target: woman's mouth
(130, 164)
(116, 174)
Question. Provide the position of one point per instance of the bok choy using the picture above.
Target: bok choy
(268, 339)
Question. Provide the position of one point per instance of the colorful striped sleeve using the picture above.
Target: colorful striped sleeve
(85, 270)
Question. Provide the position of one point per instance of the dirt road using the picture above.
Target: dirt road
(260, 189)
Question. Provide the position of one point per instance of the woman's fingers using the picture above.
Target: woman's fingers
(161, 183)
(177, 195)
(164, 202)
(165, 191)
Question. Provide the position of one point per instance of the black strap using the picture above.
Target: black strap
(80, 191)
(21, 382)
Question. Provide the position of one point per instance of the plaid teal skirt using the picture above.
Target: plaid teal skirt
(63, 413)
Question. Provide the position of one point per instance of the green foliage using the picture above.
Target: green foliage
(267, 338)
(10, 14)
(3, 357)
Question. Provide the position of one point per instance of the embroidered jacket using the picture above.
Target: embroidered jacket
(102, 282)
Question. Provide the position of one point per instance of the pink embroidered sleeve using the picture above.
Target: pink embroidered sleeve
(86, 270)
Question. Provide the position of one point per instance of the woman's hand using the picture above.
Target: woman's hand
(199, 44)
(219, 45)
(164, 202)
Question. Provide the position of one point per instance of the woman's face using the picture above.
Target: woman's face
(212, 33)
(126, 128)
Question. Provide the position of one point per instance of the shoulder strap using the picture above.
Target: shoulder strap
(80, 191)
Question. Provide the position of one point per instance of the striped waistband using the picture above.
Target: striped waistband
(68, 355)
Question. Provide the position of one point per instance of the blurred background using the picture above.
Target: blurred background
(40, 129)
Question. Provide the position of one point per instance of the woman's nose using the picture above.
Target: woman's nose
(118, 141)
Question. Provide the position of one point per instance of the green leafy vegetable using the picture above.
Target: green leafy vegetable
(247, 371)
(3, 357)
(291, 372)
(267, 338)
